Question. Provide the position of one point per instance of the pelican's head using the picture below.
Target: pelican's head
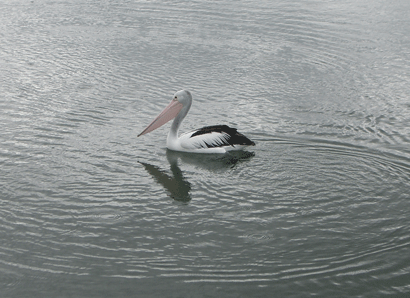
(181, 100)
(184, 97)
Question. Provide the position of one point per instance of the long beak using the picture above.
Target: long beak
(169, 113)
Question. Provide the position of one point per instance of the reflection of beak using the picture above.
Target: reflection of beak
(169, 113)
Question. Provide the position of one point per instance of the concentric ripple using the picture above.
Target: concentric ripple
(319, 207)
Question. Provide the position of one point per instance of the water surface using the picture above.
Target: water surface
(319, 207)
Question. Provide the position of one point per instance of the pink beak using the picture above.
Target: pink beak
(169, 113)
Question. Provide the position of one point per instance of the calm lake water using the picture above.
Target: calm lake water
(320, 207)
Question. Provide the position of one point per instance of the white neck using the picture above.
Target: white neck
(173, 133)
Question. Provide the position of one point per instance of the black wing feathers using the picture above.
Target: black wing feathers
(231, 136)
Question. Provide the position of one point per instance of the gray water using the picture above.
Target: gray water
(320, 207)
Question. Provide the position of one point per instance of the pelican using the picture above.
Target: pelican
(209, 139)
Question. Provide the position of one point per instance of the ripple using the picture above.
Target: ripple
(107, 218)
(10, 280)
(320, 205)
(258, 237)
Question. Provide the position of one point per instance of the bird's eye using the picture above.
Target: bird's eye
(176, 98)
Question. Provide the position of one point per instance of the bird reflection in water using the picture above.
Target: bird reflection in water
(176, 185)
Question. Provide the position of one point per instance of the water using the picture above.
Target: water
(319, 207)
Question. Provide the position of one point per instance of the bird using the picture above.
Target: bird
(209, 139)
